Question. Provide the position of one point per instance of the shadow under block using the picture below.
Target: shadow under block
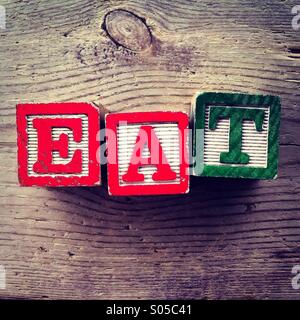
(57, 144)
(149, 155)
(236, 135)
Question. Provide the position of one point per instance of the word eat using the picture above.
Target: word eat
(227, 135)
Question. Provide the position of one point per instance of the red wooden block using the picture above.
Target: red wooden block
(147, 153)
(57, 144)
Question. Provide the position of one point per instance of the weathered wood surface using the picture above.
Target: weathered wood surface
(227, 238)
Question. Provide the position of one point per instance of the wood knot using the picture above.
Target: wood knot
(127, 30)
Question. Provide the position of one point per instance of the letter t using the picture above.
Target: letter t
(236, 116)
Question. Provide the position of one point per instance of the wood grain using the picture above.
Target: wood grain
(227, 238)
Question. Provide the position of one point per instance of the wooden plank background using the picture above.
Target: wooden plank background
(226, 238)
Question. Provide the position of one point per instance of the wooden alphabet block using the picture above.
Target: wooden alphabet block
(57, 144)
(147, 153)
(236, 135)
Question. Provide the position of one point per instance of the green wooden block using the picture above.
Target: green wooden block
(236, 135)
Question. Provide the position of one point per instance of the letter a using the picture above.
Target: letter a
(157, 158)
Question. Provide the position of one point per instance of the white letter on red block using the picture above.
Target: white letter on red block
(57, 144)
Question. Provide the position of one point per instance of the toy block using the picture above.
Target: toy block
(57, 144)
(236, 135)
(147, 153)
